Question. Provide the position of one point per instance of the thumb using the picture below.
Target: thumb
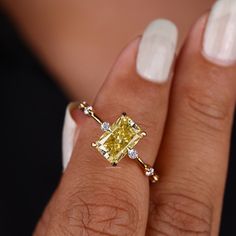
(69, 135)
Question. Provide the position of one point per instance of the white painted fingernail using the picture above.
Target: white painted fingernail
(219, 44)
(69, 136)
(157, 50)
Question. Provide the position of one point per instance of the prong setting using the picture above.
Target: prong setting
(144, 134)
(93, 144)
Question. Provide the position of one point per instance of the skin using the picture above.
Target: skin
(188, 121)
(62, 34)
(190, 153)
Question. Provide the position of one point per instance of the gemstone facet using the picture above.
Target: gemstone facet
(122, 136)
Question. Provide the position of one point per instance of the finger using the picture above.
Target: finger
(92, 198)
(71, 128)
(194, 153)
(70, 134)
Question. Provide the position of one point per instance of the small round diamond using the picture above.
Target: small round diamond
(149, 171)
(105, 126)
(87, 110)
(132, 153)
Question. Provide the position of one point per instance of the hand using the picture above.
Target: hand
(188, 127)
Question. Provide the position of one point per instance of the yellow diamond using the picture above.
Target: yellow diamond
(123, 135)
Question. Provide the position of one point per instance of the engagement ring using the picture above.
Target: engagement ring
(119, 140)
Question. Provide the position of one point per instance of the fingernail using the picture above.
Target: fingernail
(219, 44)
(157, 50)
(69, 136)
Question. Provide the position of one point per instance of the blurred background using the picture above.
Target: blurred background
(54, 51)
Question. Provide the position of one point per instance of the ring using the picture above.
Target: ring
(119, 139)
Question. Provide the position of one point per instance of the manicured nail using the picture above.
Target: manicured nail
(219, 44)
(157, 51)
(70, 134)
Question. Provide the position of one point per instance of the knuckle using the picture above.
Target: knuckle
(105, 212)
(207, 108)
(177, 214)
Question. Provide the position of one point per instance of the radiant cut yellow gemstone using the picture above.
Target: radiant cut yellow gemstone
(123, 135)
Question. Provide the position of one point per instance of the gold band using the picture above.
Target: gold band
(119, 139)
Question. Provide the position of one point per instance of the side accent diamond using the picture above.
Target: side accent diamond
(132, 153)
(149, 171)
(87, 110)
(105, 126)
